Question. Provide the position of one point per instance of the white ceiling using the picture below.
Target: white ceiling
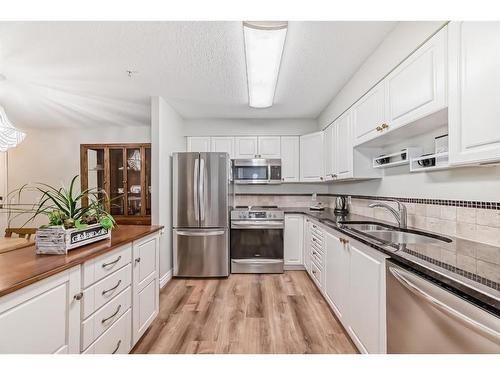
(73, 73)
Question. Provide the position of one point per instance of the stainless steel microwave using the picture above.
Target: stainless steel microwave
(257, 171)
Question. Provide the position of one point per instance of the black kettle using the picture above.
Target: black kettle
(341, 205)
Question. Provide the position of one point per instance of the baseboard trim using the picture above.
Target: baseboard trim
(165, 278)
(294, 267)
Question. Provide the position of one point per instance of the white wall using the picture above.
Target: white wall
(52, 155)
(214, 127)
(166, 137)
(400, 43)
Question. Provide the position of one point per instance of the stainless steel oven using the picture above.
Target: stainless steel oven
(257, 240)
(257, 171)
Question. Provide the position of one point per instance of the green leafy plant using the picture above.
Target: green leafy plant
(64, 206)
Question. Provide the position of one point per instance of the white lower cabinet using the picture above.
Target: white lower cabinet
(42, 318)
(351, 277)
(116, 340)
(293, 240)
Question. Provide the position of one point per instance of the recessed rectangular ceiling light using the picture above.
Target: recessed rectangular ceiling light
(264, 43)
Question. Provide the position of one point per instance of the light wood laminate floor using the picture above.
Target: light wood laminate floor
(244, 314)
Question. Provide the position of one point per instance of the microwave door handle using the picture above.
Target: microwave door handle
(269, 172)
(443, 307)
(195, 189)
(202, 189)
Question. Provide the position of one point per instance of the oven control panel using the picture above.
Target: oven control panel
(257, 215)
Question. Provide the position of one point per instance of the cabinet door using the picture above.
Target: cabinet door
(336, 274)
(331, 152)
(474, 86)
(311, 157)
(198, 144)
(146, 293)
(269, 147)
(366, 300)
(369, 114)
(307, 245)
(223, 144)
(290, 155)
(344, 147)
(293, 239)
(417, 87)
(245, 147)
(43, 318)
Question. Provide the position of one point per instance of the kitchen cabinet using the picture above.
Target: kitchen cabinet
(290, 159)
(123, 172)
(337, 273)
(369, 114)
(417, 87)
(42, 318)
(222, 144)
(306, 245)
(311, 157)
(366, 309)
(269, 147)
(474, 92)
(293, 240)
(246, 147)
(339, 150)
(198, 144)
(145, 285)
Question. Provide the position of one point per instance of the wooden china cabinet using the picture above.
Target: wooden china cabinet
(123, 171)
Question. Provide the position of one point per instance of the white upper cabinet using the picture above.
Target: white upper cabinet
(369, 114)
(311, 157)
(290, 159)
(198, 144)
(330, 137)
(417, 87)
(474, 89)
(245, 147)
(344, 147)
(223, 144)
(269, 147)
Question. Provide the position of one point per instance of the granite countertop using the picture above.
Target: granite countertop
(425, 258)
(22, 267)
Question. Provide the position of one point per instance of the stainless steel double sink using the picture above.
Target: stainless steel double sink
(388, 235)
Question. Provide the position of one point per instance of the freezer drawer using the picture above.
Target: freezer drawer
(201, 252)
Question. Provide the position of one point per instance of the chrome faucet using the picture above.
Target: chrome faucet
(400, 214)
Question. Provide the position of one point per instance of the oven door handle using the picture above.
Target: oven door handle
(403, 278)
(257, 225)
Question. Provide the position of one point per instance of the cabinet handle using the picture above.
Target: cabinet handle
(313, 271)
(104, 265)
(117, 347)
(334, 176)
(112, 316)
(314, 239)
(137, 260)
(379, 128)
(385, 126)
(315, 253)
(104, 292)
(321, 178)
(78, 296)
(314, 226)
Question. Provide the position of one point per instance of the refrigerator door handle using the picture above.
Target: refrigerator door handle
(195, 190)
(202, 189)
(200, 233)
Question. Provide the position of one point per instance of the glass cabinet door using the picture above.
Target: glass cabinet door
(95, 170)
(117, 181)
(147, 153)
(134, 186)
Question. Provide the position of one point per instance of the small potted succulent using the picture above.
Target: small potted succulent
(70, 223)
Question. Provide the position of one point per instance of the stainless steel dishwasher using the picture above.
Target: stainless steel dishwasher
(423, 317)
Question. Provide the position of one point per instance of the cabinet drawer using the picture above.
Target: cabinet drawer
(316, 274)
(317, 257)
(105, 317)
(318, 242)
(98, 268)
(115, 340)
(103, 291)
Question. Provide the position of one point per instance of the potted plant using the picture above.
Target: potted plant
(70, 224)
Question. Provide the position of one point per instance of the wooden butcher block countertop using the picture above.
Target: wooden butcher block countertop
(22, 267)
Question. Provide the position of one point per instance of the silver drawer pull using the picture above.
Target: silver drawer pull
(314, 239)
(104, 265)
(113, 288)
(137, 260)
(78, 296)
(315, 253)
(117, 347)
(112, 316)
(314, 272)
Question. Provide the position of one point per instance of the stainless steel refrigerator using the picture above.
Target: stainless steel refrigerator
(201, 195)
